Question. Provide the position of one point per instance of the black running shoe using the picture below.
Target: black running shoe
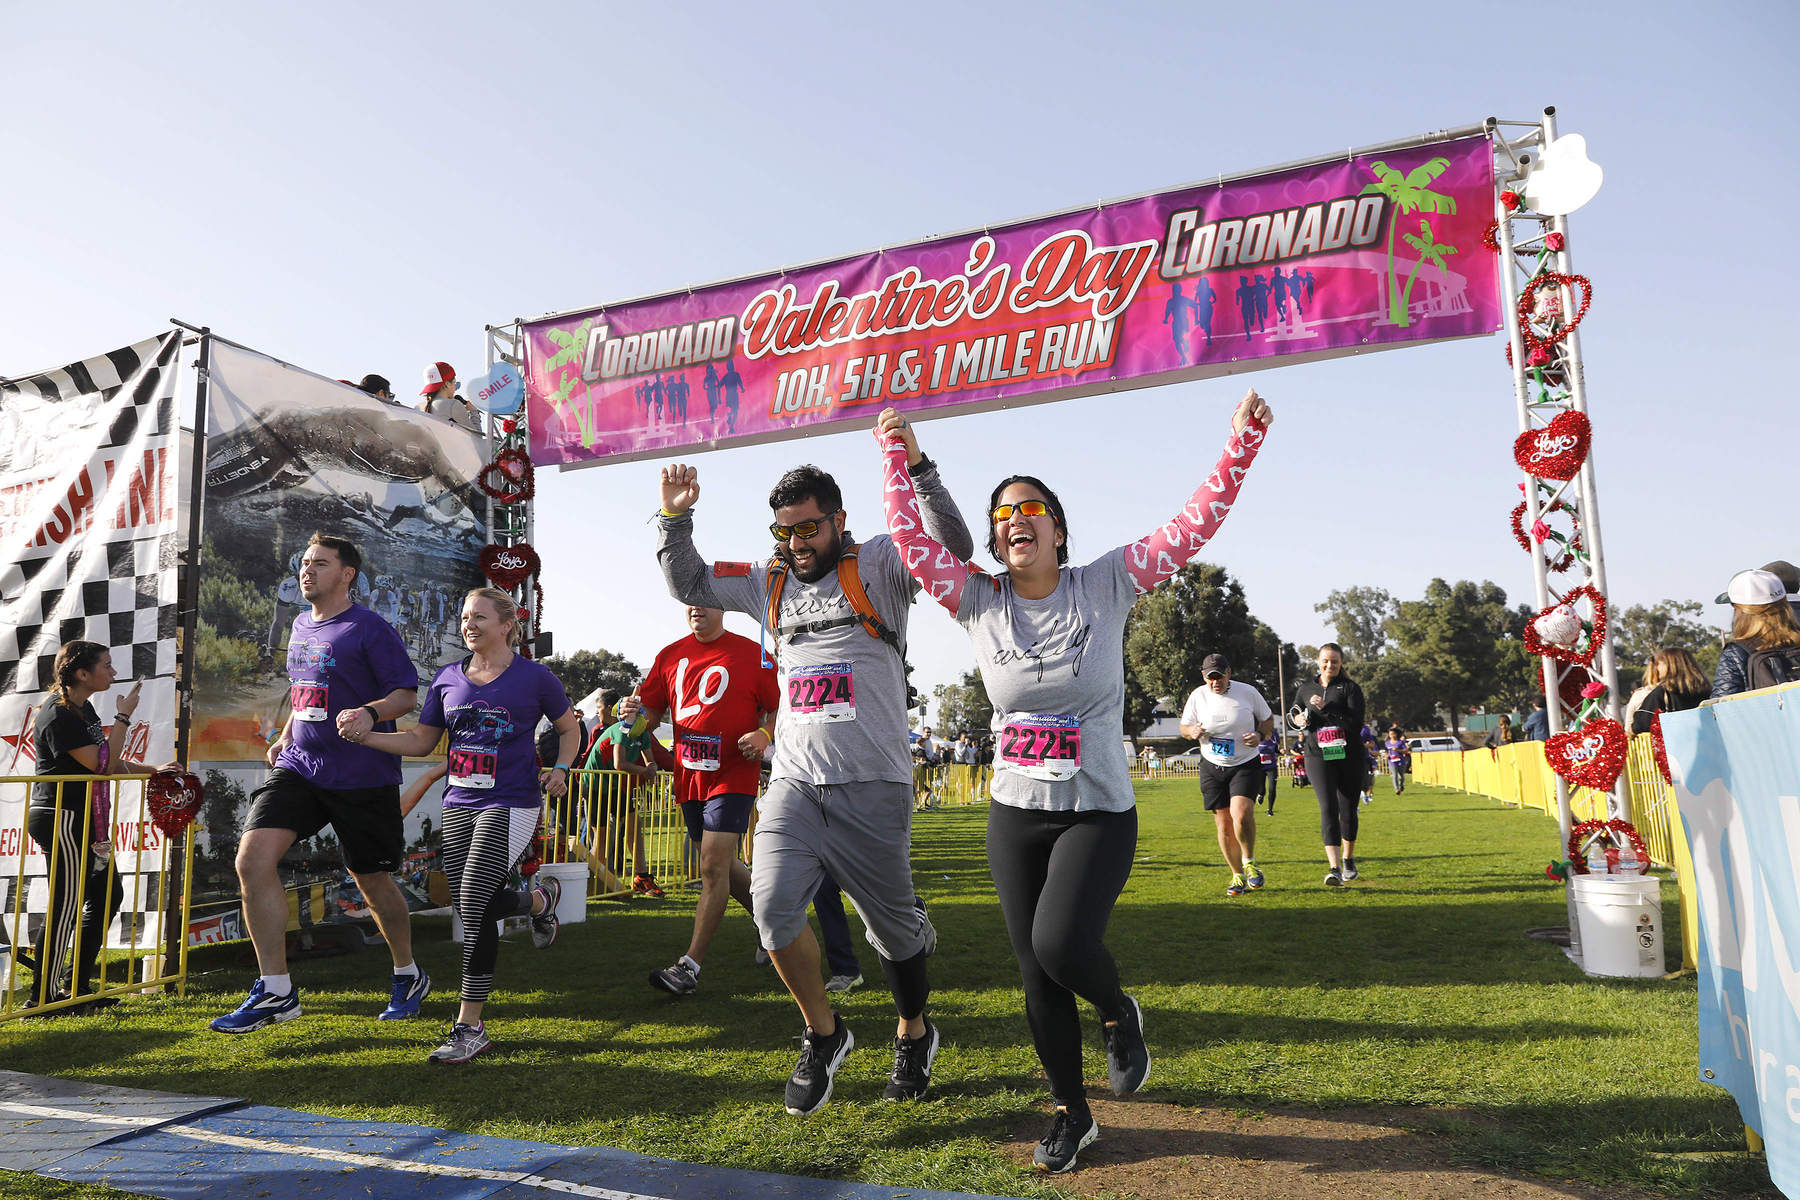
(1350, 872)
(1127, 1058)
(911, 1076)
(809, 1087)
(1067, 1138)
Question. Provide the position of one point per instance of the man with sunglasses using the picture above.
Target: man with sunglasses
(839, 800)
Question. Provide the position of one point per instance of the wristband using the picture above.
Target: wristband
(374, 717)
(563, 767)
(125, 717)
(665, 512)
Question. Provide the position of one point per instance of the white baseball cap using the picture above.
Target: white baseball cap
(1755, 587)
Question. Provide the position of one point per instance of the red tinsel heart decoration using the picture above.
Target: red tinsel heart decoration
(174, 798)
(1528, 305)
(1661, 751)
(508, 566)
(1557, 450)
(1615, 831)
(1490, 237)
(1557, 565)
(1592, 756)
(1596, 629)
(510, 478)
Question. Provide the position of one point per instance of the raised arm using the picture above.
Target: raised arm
(938, 568)
(1155, 558)
(736, 586)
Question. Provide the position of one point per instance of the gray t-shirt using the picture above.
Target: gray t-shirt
(1055, 671)
(843, 696)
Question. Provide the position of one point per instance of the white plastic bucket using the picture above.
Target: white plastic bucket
(1621, 924)
(573, 876)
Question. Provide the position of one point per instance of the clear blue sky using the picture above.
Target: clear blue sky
(358, 188)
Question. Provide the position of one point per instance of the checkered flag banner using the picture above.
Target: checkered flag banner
(89, 534)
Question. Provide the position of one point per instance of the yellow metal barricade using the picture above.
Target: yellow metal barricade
(139, 963)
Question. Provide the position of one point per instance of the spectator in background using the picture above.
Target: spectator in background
(438, 398)
(1502, 734)
(1764, 648)
(1790, 583)
(377, 386)
(1536, 726)
(1673, 682)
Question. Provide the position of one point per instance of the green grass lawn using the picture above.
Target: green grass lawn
(1414, 987)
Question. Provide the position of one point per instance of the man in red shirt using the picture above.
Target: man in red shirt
(722, 702)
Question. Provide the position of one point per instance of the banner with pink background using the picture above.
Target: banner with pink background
(1374, 252)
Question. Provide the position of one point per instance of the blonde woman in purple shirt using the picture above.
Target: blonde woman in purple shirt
(489, 703)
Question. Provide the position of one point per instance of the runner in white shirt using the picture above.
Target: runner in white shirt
(1229, 719)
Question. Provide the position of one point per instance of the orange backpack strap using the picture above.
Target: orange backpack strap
(778, 572)
(850, 581)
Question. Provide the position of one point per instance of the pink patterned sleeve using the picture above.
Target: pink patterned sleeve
(1155, 558)
(941, 573)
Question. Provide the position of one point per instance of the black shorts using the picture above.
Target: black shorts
(727, 812)
(367, 821)
(1219, 784)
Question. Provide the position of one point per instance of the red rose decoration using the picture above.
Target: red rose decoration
(174, 798)
(1553, 241)
(1594, 690)
(1573, 543)
(1509, 200)
(1558, 449)
(508, 566)
(1576, 653)
(1592, 756)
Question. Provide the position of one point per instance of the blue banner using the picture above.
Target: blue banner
(1737, 780)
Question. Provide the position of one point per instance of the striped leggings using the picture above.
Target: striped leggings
(58, 835)
(480, 847)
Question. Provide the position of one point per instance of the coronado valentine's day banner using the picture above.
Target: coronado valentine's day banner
(1379, 250)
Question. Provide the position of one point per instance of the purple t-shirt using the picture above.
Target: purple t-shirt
(493, 749)
(342, 663)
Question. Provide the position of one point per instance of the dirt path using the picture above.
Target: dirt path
(1162, 1151)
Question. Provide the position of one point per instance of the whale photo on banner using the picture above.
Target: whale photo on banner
(1737, 784)
(1371, 251)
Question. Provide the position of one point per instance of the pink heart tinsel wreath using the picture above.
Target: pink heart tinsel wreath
(175, 798)
(510, 478)
(1592, 756)
(508, 566)
(1557, 631)
(1557, 450)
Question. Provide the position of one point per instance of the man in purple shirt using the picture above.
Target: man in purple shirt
(349, 674)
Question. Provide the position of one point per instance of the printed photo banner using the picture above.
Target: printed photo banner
(89, 540)
(1376, 251)
(290, 453)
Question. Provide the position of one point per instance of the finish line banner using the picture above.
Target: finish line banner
(1737, 778)
(1381, 250)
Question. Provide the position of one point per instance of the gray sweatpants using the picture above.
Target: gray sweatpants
(861, 833)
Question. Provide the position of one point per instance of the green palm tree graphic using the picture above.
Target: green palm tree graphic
(1429, 250)
(571, 346)
(1406, 195)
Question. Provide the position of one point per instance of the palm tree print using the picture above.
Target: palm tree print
(571, 345)
(1406, 195)
(1430, 250)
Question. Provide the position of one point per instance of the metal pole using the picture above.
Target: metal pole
(1619, 804)
(1540, 574)
(174, 923)
(1280, 705)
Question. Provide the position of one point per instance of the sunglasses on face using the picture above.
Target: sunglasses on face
(1029, 508)
(802, 529)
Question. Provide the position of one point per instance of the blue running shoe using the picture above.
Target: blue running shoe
(409, 992)
(260, 1008)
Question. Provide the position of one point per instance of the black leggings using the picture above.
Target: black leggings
(1339, 786)
(1058, 875)
(1271, 777)
(480, 847)
(58, 835)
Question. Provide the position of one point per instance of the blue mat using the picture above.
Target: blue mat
(45, 1120)
(186, 1148)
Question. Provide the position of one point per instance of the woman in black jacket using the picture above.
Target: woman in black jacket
(1673, 682)
(1328, 711)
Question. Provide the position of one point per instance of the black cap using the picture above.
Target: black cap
(1215, 664)
(373, 384)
